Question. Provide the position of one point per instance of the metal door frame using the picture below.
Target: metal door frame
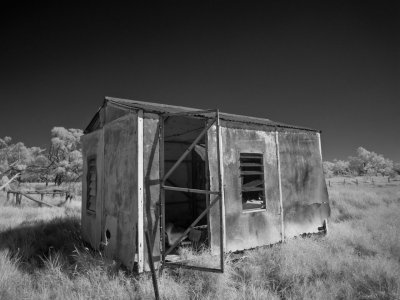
(219, 195)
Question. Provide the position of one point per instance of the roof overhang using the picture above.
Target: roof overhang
(165, 109)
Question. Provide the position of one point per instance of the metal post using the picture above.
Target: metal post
(151, 263)
(280, 185)
(207, 176)
(162, 191)
(319, 144)
(140, 211)
(183, 235)
(186, 153)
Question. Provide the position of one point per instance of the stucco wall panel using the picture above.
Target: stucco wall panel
(112, 113)
(303, 183)
(245, 229)
(120, 185)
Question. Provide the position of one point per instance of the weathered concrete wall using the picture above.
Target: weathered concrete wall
(250, 228)
(120, 188)
(151, 170)
(92, 146)
(305, 197)
(303, 183)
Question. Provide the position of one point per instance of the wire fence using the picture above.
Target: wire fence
(364, 180)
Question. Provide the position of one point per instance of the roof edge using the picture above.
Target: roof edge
(164, 108)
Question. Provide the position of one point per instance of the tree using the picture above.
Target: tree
(65, 155)
(365, 163)
(340, 167)
(328, 168)
(62, 162)
(356, 165)
(16, 157)
(373, 163)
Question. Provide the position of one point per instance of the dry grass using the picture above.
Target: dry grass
(42, 257)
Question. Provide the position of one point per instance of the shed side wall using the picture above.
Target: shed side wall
(120, 188)
(305, 195)
(92, 146)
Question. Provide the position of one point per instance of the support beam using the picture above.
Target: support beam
(188, 195)
(319, 144)
(191, 113)
(196, 268)
(186, 153)
(162, 191)
(194, 223)
(35, 200)
(140, 229)
(187, 190)
(278, 158)
(151, 263)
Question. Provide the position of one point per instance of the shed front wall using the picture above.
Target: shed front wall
(244, 229)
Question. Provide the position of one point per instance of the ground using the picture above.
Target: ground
(42, 256)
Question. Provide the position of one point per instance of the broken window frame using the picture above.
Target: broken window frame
(244, 172)
(218, 195)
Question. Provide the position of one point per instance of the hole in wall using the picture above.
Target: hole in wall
(108, 234)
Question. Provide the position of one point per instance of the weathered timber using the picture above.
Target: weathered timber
(35, 200)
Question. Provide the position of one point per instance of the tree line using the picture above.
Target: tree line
(61, 162)
(365, 163)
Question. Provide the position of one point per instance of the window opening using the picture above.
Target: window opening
(252, 179)
(91, 185)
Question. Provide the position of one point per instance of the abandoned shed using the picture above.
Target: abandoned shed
(190, 177)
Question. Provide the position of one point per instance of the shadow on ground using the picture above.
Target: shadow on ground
(33, 242)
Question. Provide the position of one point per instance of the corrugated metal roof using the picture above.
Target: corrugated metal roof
(165, 108)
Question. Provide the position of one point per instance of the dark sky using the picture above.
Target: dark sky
(330, 66)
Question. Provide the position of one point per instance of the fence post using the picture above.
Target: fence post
(18, 199)
(344, 181)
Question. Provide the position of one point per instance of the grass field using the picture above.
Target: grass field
(42, 257)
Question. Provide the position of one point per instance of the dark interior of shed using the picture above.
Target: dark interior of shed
(182, 207)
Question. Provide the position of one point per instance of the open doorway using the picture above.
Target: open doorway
(182, 207)
(186, 198)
